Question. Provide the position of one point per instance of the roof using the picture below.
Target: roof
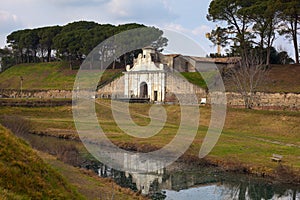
(173, 55)
(148, 47)
(225, 60)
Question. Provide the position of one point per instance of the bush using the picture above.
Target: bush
(18, 125)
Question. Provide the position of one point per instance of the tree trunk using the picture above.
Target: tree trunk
(125, 59)
(271, 38)
(114, 64)
(268, 56)
(294, 194)
(70, 61)
(49, 55)
(27, 55)
(295, 41)
(248, 104)
(42, 52)
(35, 57)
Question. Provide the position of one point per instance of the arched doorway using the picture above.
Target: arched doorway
(143, 90)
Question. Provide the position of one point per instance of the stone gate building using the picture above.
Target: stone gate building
(150, 79)
(147, 77)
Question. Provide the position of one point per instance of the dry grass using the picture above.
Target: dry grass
(283, 78)
(280, 78)
(249, 137)
(25, 175)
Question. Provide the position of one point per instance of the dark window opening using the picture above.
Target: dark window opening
(144, 90)
(155, 95)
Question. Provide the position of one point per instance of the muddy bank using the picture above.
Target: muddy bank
(35, 103)
(58, 133)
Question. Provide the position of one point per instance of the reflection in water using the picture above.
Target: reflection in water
(222, 192)
(202, 183)
(144, 181)
(199, 183)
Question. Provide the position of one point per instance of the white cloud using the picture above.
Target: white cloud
(8, 21)
(197, 31)
(154, 11)
(78, 3)
(119, 9)
(176, 27)
(201, 30)
(6, 16)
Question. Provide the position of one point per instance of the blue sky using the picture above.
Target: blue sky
(187, 17)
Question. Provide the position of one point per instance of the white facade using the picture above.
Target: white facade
(151, 79)
(146, 79)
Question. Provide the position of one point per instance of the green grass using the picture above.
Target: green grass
(24, 174)
(45, 76)
(194, 78)
(55, 75)
(249, 136)
(110, 75)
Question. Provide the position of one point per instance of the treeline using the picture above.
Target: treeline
(254, 25)
(71, 42)
(280, 57)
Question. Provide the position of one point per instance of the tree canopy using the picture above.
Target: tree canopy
(71, 42)
(255, 23)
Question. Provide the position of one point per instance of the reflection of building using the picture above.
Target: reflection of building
(153, 171)
(150, 174)
(144, 181)
(211, 180)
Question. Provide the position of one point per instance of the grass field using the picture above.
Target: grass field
(283, 79)
(249, 137)
(57, 75)
(44, 76)
(195, 78)
(54, 75)
(24, 175)
(280, 78)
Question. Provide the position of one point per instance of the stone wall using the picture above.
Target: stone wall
(179, 86)
(43, 94)
(274, 101)
(114, 89)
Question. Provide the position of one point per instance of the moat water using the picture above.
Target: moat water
(174, 183)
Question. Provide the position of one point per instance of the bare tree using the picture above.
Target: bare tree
(247, 75)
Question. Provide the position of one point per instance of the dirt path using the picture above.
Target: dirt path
(274, 142)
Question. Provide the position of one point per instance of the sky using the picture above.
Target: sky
(187, 17)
